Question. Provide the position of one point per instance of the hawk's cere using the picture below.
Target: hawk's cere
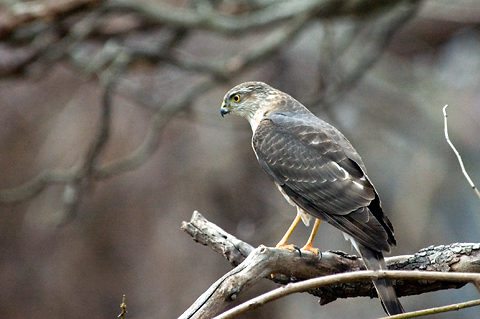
(318, 171)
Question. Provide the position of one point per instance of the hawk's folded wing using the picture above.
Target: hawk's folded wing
(322, 173)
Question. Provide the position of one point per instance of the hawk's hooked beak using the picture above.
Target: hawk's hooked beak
(224, 110)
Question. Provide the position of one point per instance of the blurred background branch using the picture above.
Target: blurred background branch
(110, 127)
(71, 25)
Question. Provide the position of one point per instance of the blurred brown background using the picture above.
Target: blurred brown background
(380, 75)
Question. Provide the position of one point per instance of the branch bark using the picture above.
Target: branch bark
(293, 267)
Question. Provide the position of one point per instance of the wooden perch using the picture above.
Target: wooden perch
(290, 266)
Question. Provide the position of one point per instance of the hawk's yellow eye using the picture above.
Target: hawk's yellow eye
(236, 98)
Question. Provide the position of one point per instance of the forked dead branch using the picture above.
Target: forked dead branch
(442, 267)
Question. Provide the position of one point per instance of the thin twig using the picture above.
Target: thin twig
(469, 180)
(346, 277)
(123, 305)
(425, 312)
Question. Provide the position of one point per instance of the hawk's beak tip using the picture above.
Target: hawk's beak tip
(223, 111)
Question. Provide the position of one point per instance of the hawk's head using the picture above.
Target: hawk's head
(249, 100)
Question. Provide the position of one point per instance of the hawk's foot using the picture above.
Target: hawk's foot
(309, 248)
(289, 247)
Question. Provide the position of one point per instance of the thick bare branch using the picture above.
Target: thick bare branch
(291, 267)
(209, 234)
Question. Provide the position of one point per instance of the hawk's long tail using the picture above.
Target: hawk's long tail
(374, 261)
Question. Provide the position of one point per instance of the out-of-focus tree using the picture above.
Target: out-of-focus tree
(109, 135)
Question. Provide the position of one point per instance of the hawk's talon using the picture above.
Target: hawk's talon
(311, 249)
(285, 246)
(290, 247)
(298, 249)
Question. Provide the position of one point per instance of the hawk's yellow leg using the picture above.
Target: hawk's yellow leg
(308, 245)
(283, 242)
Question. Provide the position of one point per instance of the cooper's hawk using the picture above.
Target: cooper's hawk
(317, 170)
